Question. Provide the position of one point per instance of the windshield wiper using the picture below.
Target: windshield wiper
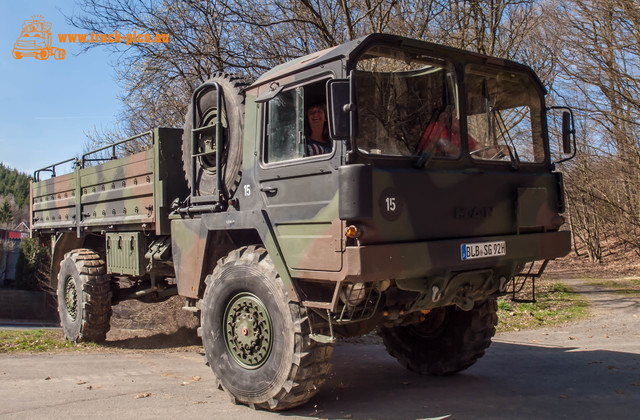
(504, 133)
(427, 154)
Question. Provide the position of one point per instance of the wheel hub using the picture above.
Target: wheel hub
(247, 330)
(71, 298)
(434, 323)
(206, 145)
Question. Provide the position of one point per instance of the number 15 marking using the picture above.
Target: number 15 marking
(391, 203)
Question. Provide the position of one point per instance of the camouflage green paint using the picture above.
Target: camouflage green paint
(133, 193)
(188, 242)
(126, 193)
(412, 221)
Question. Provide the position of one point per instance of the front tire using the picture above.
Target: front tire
(448, 341)
(84, 296)
(256, 340)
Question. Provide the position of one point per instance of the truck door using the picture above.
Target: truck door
(300, 191)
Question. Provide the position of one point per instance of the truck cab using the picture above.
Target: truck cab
(439, 173)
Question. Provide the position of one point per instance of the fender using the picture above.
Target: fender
(193, 243)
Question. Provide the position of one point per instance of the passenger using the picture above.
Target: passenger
(445, 132)
(317, 131)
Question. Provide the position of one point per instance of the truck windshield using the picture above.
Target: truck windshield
(503, 116)
(406, 104)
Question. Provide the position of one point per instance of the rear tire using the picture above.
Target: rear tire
(448, 341)
(84, 296)
(256, 340)
(58, 53)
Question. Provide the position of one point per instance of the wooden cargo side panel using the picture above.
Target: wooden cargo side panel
(53, 203)
(119, 193)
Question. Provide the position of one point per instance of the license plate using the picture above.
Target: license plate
(483, 250)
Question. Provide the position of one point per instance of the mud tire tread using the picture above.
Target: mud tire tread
(458, 346)
(94, 296)
(310, 361)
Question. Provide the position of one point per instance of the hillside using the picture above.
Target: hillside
(14, 196)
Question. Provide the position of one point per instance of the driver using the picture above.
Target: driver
(317, 131)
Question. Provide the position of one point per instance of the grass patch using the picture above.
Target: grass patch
(623, 286)
(555, 304)
(14, 341)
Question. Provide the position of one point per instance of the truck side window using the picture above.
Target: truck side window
(285, 127)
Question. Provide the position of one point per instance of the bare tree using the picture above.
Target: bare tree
(600, 43)
(251, 36)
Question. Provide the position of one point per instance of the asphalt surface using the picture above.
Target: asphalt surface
(587, 370)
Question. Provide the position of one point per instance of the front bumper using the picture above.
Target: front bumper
(424, 259)
(418, 266)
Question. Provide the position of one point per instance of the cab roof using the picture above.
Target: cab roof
(352, 49)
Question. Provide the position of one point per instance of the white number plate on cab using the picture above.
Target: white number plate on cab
(483, 250)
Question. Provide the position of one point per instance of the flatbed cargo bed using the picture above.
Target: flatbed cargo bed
(132, 193)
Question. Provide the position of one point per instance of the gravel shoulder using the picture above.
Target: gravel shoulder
(587, 369)
(614, 325)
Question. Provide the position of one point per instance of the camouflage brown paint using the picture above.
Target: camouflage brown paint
(133, 193)
(424, 233)
(294, 207)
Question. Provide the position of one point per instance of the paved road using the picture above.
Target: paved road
(588, 370)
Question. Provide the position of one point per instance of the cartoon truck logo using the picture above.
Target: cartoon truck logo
(35, 41)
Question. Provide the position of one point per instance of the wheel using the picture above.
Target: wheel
(43, 54)
(59, 53)
(233, 117)
(84, 296)
(256, 340)
(448, 341)
(16, 54)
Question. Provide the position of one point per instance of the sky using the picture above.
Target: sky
(47, 106)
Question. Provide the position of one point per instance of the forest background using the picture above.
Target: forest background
(587, 54)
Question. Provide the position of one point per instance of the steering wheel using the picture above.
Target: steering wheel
(498, 155)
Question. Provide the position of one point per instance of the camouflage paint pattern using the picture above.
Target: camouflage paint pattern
(133, 193)
(299, 209)
(122, 194)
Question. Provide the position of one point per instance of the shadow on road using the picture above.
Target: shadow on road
(511, 381)
(180, 338)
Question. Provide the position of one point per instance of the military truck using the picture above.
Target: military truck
(438, 194)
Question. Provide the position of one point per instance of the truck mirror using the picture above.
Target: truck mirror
(339, 108)
(567, 130)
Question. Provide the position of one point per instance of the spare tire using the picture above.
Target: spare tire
(206, 112)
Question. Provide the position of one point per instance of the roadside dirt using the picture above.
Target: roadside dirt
(614, 324)
(146, 326)
(618, 260)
